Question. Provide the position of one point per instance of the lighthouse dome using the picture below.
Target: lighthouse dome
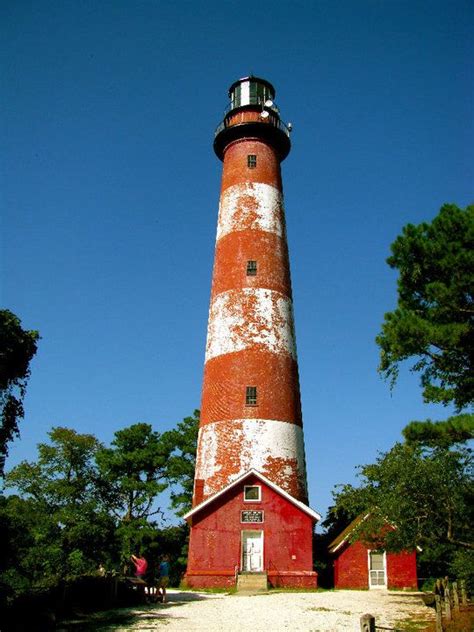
(250, 91)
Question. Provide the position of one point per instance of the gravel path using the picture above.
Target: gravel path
(270, 612)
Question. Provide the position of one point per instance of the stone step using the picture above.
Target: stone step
(252, 582)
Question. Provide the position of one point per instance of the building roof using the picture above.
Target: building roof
(344, 535)
(307, 510)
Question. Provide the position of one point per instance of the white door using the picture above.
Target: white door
(252, 551)
(377, 569)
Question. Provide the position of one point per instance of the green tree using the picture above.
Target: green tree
(434, 319)
(132, 475)
(17, 348)
(59, 512)
(182, 444)
(456, 429)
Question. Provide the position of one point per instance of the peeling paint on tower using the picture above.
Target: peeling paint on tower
(251, 337)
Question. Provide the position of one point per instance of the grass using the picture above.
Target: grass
(323, 609)
(284, 589)
(411, 626)
(225, 591)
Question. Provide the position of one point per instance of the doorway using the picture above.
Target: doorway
(252, 551)
(377, 569)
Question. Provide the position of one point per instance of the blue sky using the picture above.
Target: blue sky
(110, 195)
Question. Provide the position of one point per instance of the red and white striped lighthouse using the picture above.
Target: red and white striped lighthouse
(250, 411)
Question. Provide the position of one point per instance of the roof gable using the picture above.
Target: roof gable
(307, 510)
(343, 537)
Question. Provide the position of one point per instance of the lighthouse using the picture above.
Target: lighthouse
(250, 512)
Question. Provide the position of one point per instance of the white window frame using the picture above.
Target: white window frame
(253, 500)
(377, 586)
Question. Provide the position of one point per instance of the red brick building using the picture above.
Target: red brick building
(254, 526)
(361, 565)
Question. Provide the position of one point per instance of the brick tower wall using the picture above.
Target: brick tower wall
(251, 339)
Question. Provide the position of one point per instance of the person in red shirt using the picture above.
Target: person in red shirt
(141, 566)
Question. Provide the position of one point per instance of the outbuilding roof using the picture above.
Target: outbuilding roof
(307, 510)
(345, 535)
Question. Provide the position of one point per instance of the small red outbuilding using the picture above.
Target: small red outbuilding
(251, 526)
(360, 565)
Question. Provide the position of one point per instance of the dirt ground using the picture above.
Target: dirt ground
(325, 611)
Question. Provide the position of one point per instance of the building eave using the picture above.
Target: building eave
(307, 510)
(343, 537)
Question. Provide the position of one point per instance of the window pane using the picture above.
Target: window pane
(252, 492)
(251, 161)
(236, 96)
(251, 268)
(251, 396)
(376, 561)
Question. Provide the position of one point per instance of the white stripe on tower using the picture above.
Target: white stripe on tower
(250, 206)
(251, 317)
(253, 443)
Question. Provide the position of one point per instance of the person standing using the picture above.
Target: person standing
(164, 578)
(141, 566)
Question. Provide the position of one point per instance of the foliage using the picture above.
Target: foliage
(64, 474)
(336, 521)
(59, 509)
(134, 471)
(457, 429)
(17, 348)
(434, 318)
(132, 474)
(182, 443)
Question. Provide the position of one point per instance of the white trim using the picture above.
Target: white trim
(307, 510)
(348, 534)
(253, 500)
(377, 586)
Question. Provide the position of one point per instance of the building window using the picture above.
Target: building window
(251, 396)
(251, 268)
(252, 493)
(251, 161)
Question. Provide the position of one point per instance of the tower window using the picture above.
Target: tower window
(251, 161)
(251, 396)
(251, 268)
